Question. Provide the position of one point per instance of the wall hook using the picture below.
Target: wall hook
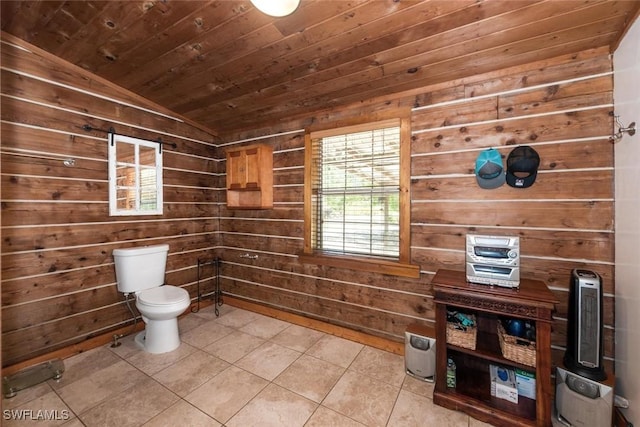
(630, 130)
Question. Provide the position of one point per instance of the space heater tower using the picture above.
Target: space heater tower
(585, 326)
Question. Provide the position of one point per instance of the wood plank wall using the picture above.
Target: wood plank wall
(58, 279)
(561, 107)
(58, 283)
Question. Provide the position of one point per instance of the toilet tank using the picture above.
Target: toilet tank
(140, 268)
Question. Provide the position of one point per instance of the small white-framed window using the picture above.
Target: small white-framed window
(135, 176)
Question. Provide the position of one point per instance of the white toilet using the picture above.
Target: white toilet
(141, 271)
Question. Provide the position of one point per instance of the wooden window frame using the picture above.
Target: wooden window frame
(400, 267)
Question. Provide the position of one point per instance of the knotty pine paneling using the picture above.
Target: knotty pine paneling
(26, 213)
(561, 107)
(58, 279)
(22, 240)
(63, 332)
(361, 318)
(56, 246)
(376, 297)
(563, 155)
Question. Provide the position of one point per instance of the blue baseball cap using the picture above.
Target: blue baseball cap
(489, 170)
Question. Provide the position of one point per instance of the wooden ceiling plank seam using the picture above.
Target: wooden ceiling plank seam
(52, 34)
(104, 25)
(316, 13)
(28, 15)
(445, 44)
(403, 64)
(301, 65)
(497, 26)
(262, 91)
(449, 52)
(205, 64)
(364, 15)
(171, 38)
(209, 66)
(266, 117)
(167, 66)
(405, 88)
(139, 32)
(285, 87)
(460, 54)
(362, 32)
(166, 83)
(9, 11)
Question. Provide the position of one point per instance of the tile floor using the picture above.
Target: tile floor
(240, 369)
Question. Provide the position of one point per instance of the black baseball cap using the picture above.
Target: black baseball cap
(522, 167)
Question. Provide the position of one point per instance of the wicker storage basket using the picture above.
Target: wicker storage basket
(517, 349)
(462, 338)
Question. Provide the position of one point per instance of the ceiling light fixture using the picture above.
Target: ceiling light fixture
(276, 8)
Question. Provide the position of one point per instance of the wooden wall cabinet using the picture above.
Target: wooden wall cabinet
(534, 302)
(250, 177)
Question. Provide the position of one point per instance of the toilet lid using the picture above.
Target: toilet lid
(163, 295)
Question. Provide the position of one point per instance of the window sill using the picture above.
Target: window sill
(372, 265)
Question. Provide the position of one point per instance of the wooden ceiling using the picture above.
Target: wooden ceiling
(229, 67)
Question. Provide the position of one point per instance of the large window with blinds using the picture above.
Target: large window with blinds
(355, 205)
(355, 192)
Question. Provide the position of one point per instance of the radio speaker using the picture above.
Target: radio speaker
(581, 401)
(420, 352)
(585, 326)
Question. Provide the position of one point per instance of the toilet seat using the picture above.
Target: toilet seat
(163, 295)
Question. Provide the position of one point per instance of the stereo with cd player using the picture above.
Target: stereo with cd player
(493, 260)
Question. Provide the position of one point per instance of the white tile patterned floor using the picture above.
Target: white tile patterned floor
(237, 370)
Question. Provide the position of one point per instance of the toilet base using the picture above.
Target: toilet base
(159, 336)
(139, 340)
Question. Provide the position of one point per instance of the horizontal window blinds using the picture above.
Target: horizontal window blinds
(355, 192)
